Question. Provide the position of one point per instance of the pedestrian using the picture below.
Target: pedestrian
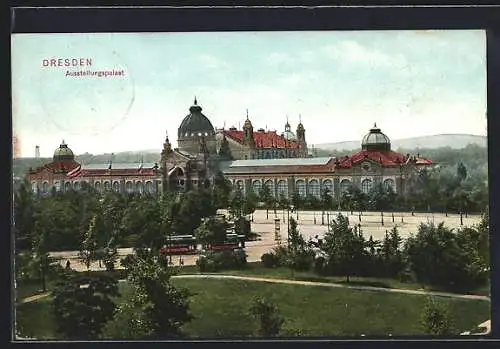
(68, 264)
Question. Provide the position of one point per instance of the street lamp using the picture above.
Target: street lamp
(288, 208)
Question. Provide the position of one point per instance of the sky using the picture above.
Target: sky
(411, 83)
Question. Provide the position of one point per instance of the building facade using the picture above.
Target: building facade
(249, 159)
(64, 173)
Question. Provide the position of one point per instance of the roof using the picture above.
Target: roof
(58, 165)
(385, 158)
(266, 139)
(117, 166)
(281, 162)
(195, 123)
(268, 166)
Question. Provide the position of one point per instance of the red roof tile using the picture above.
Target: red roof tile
(54, 166)
(386, 158)
(267, 139)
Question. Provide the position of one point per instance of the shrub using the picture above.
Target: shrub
(214, 261)
(269, 260)
(320, 265)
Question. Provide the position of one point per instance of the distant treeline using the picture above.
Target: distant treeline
(473, 156)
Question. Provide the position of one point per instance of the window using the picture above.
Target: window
(129, 187)
(389, 184)
(34, 187)
(139, 187)
(150, 187)
(45, 187)
(107, 186)
(97, 186)
(257, 186)
(345, 184)
(67, 186)
(282, 188)
(239, 184)
(314, 189)
(270, 185)
(300, 185)
(366, 186)
(76, 185)
(328, 184)
(116, 187)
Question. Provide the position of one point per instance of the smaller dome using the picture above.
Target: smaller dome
(63, 153)
(375, 140)
(289, 136)
(195, 123)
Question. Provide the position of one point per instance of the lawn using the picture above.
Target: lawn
(257, 269)
(221, 310)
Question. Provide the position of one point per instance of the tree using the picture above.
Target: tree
(344, 247)
(440, 257)
(88, 252)
(436, 319)
(211, 231)
(83, 303)
(267, 198)
(221, 190)
(161, 308)
(24, 210)
(236, 203)
(461, 172)
(267, 313)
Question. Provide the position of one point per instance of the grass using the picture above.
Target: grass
(257, 269)
(31, 288)
(36, 320)
(221, 310)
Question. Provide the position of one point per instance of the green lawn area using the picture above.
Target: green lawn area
(221, 310)
(30, 289)
(257, 269)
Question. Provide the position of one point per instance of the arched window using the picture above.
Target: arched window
(76, 185)
(34, 187)
(328, 184)
(239, 185)
(366, 185)
(129, 187)
(116, 186)
(107, 186)
(150, 187)
(257, 186)
(282, 188)
(45, 187)
(389, 184)
(345, 184)
(314, 189)
(300, 185)
(270, 185)
(67, 186)
(97, 186)
(139, 187)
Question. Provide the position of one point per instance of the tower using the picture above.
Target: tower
(37, 152)
(248, 139)
(301, 138)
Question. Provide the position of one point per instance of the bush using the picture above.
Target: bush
(269, 260)
(302, 260)
(242, 227)
(320, 265)
(214, 261)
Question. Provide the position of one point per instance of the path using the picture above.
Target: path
(328, 284)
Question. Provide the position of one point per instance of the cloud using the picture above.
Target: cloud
(350, 51)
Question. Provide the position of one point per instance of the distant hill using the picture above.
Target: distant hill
(454, 141)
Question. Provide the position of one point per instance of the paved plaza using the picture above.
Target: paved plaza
(264, 225)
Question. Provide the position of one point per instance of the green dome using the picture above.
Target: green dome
(63, 153)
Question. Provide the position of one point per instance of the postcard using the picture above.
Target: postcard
(250, 185)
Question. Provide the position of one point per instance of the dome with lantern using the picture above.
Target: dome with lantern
(63, 153)
(375, 140)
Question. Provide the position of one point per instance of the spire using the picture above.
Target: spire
(195, 101)
(374, 125)
(247, 114)
(300, 118)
